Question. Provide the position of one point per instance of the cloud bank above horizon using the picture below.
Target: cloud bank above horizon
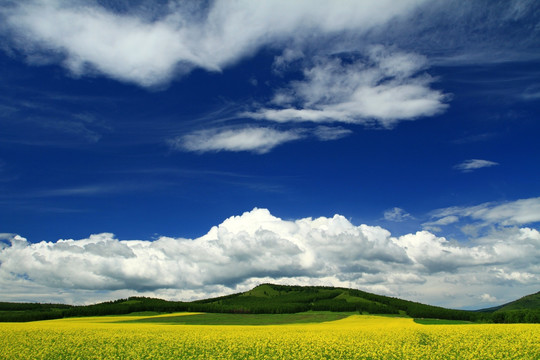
(257, 247)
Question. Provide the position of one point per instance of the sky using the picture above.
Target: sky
(189, 149)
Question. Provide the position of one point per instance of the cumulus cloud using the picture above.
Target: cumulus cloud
(151, 47)
(259, 247)
(256, 139)
(474, 164)
(383, 89)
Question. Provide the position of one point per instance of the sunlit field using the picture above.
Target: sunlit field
(354, 337)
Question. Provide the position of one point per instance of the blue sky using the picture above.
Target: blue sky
(382, 146)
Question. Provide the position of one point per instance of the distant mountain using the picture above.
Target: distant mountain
(280, 299)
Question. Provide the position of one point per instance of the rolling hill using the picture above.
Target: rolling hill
(527, 302)
(525, 309)
(281, 299)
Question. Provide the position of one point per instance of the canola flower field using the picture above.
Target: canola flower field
(355, 337)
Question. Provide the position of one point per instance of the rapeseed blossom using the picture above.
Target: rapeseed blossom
(355, 337)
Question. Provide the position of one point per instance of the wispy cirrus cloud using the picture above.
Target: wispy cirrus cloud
(436, 225)
(397, 214)
(518, 212)
(455, 32)
(531, 93)
(255, 139)
(352, 79)
(27, 108)
(151, 44)
(482, 219)
(474, 164)
(150, 48)
(327, 133)
(87, 190)
(259, 140)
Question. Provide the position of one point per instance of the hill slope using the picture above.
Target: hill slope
(273, 299)
(270, 298)
(531, 302)
(525, 309)
(527, 302)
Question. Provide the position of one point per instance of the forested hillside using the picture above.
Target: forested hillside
(274, 299)
(525, 309)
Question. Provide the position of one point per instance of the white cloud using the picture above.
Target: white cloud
(457, 32)
(383, 89)
(92, 39)
(150, 45)
(522, 211)
(326, 133)
(256, 139)
(531, 93)
(519, 212)
(397, 214)
(488, 298)
(435, 225)
(150, 48)
(6, 236)
(259, 247)
(516, 276)
(259, 140)
(474, 164)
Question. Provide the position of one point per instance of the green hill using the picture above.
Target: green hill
(531, 302)
(527, 302)
(525, 309)
(272, 299)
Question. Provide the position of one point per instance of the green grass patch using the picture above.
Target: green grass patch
(245, 319)
(441, 322)
(400, 315)
(142, 313)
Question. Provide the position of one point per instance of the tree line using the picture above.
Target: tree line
(272, 299)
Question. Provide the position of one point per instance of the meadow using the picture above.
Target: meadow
(351, 337)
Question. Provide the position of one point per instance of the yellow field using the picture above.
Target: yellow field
(356, 337)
